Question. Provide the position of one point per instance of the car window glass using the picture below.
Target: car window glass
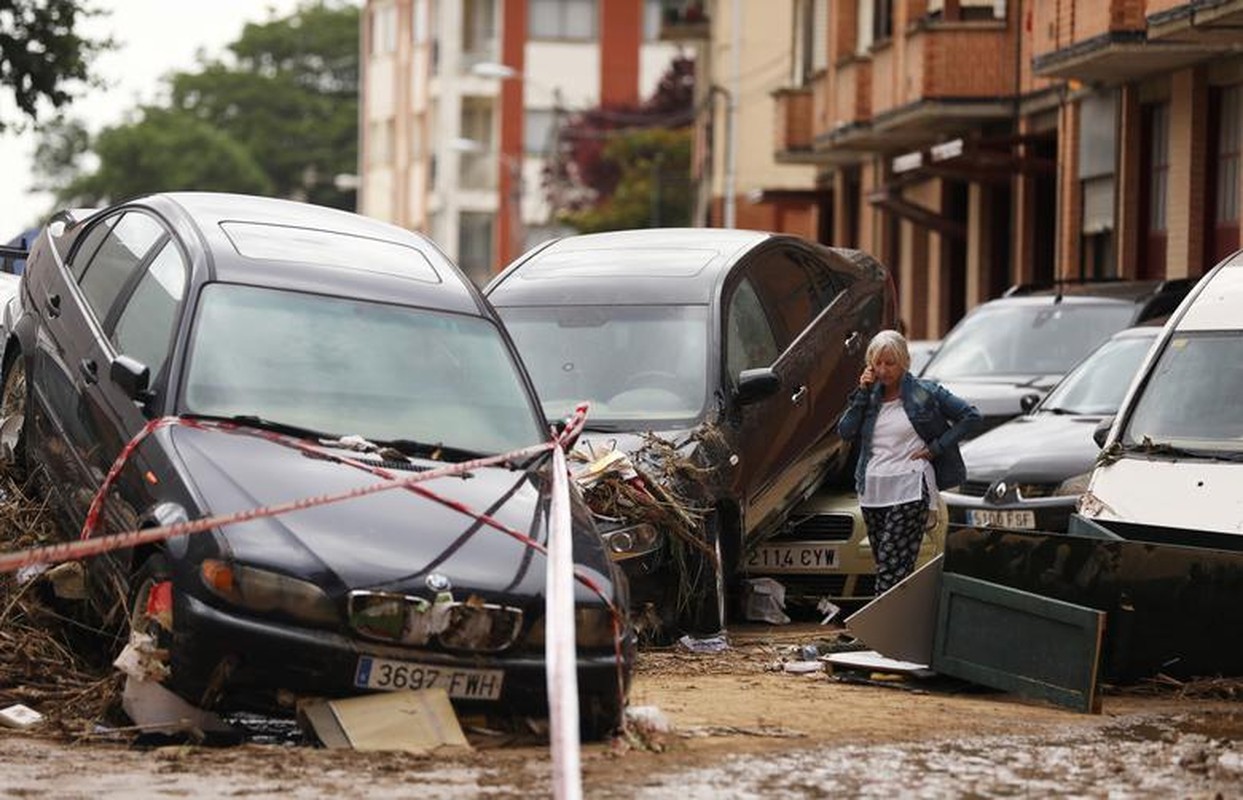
(826, 282)
(1191, 399)
(1097, 385)
(750, 341)
(1025, 338)
(145, 328)
(117, 258)
(87, 246)
(342, 365)
(785, 289)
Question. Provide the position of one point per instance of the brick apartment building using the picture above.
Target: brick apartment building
(976, 144)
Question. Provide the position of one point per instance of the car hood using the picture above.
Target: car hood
(1000, 396)
(1042, 447)
(389, 540)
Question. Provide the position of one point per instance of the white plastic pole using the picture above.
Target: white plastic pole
(559, 644)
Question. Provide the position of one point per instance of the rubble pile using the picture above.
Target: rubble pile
(42, 650)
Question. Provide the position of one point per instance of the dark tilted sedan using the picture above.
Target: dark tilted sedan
(300, 351)
(736, 349)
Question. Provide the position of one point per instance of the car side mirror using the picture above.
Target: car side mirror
(133, 377)
(1101, 432)
(756, 384)
(1028, 401)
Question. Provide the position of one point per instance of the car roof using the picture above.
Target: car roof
(654, 265)
(1217, 304)
(379, 261)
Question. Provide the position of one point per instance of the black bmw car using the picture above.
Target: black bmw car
(721, 358)
(230, 353)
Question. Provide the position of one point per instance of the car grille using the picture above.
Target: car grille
(818, 528)
(469, 625)
(974, 488)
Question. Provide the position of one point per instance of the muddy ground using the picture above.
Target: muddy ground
(741, 728)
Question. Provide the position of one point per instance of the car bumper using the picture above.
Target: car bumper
(1040, 514)
(263, 665)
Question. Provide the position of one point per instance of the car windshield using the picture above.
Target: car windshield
(345, 366)
(1191, 399)
(1098, 383)
(1020, 339)
(634, 364)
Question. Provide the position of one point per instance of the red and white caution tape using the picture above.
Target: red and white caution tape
(559, 643)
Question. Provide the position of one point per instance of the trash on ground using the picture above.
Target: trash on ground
(764, 600)
(902, 622)
(829, 609)
(19, 716)
(648, 719)
(802, 667)
(711, 644)
(872, 661)
(420, 722)
(154, 709)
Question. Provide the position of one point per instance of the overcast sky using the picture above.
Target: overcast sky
(155, 37)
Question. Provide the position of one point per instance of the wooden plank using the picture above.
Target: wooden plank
(1019, 642)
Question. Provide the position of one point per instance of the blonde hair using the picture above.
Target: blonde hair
(890, 342)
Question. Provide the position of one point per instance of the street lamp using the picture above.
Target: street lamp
(474, 147)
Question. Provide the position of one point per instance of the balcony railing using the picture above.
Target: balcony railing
(794, 122)
(681, 20)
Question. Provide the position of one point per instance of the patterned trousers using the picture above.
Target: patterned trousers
(895, 533)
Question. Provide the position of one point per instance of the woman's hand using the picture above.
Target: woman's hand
(923, 455)
(867, 378)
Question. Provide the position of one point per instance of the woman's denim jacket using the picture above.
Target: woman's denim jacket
(940, 418)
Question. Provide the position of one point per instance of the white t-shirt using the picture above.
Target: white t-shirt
(893, 475)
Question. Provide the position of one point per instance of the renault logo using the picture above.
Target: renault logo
(999, 491)
(438, 583)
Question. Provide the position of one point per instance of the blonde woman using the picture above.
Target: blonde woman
(907, 430)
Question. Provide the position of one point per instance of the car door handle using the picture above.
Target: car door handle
(853, 341)
(798, 396)
(52, 305)
(90, 372)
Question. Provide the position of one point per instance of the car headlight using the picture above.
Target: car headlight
(268, 592)
(632, 542)
(1073, 487)
(593, 629)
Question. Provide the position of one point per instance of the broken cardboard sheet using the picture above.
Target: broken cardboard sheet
(873, 661)
(419, 722)
(902, 622)
(155, 709)
(19, 716)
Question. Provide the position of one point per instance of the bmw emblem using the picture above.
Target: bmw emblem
(438, 583)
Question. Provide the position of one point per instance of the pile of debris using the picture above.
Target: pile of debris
(42, 645)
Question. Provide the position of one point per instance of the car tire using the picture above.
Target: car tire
(703, 613)
(600, 716)
(14, 427)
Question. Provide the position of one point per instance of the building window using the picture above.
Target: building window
(420, 26)
(478, 31)
(475, 245)
(1229, 143)
(562, 19)
(1159, 167)
(651, 20)
(537, 130)
(380, 143)
(882, 20)
(1098, 147)
(863, 31)
(384, 30)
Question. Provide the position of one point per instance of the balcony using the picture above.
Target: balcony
(683, 20)
(793, 125)
(1204, 22)
(1118, 57)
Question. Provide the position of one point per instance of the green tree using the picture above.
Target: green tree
(43, 57)
(290, 98)
(653, 185)
(167, 151)
(279, 117)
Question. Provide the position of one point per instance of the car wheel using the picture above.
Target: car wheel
(704, 609)
(14, 405)
(600, 716)
(151, 574)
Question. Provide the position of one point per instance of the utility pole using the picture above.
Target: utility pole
(731, 111)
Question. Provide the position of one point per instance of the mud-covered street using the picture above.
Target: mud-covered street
(741, 728)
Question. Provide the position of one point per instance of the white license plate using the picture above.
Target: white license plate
(461, 684)
(800, 557)
(1000, 518)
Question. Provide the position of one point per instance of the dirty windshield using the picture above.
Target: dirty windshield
(1021, 339)
(635, 364)
(1191, 399)
(344, 366)
(1098, 384)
